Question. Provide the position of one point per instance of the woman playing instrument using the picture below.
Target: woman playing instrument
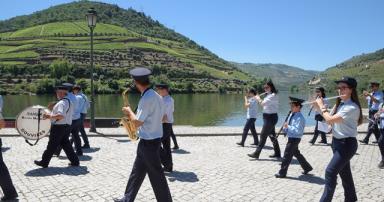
(320, 93)
(250, 103)
(344, 119)
(270, 106)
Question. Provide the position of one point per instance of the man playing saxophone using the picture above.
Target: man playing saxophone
(148, 120)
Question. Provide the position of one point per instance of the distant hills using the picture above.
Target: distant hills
(285, 76)
(124, 38)
(364, 67)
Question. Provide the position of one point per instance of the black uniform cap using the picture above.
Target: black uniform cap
(69, 86)
(351, 82)
(374, 83)
(162, 86)
(61, 88)
(296, 100)
(140, 73)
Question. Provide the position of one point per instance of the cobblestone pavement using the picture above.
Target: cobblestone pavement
(206, 169)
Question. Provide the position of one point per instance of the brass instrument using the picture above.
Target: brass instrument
(126, 122)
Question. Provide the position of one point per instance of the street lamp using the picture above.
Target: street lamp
(91, 19)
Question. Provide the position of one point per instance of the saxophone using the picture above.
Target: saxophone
(126, 122)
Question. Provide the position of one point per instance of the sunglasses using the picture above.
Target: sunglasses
(318, 91)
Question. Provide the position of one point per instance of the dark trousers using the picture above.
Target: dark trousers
(269, 124)
(59, 137)
(82, 130)
(74, 131)
(165, 151)
(343, 151)
(381, 144)
(148, 162)
(173, 136)
(317, 132)
(292, 150)
(250, 125)
(5, 179)
(372, 127)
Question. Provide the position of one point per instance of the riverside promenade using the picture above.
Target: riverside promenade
(208, 167)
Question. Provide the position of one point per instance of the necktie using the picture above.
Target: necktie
(290, 119)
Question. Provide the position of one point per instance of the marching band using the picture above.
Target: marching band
(153, 120)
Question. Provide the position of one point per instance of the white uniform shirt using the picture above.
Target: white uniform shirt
(64, 108)
(252, 108)
(150, 111)
(350, 113)
(86, 103)
(169, 108)
(271, 104)
(381, 110)
(326, 104)
(75, 105)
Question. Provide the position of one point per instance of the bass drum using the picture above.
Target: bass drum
(30, 123)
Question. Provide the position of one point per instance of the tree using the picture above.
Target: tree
(60, 68)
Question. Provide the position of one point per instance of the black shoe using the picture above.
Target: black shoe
(255, 144)
(311, 142)
(254, 155)
(175, 147)
(118, 200)
(73, 164)
(322, 142)
(39, 163)
(278, 175)
(240, 144)
(363, 141)
(79, 153)
(274, 156)
(56, 154)
(168, 170)
(305, 172)
(381, 165)
(86, 146)
(9, 198)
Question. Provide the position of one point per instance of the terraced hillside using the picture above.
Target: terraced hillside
(364, 68)
(28, 53)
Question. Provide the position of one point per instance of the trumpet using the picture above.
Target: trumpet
(126, 122)
(328, 98)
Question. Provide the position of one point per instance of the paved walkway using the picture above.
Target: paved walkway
(206, 169)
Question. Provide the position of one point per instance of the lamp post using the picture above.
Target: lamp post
(91, 19)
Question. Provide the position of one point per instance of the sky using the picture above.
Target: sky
(310, 34)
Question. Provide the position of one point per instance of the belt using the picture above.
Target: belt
(344, 139)
(61, 125)
(151, 141)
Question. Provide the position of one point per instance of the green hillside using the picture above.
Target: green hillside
(32, 47)
(284, 76)
(364, 68)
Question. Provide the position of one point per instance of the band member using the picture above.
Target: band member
(148, 120)
(250, 103)
(83, 107)
(344, 119)
(270, 106)
(76, 121)
(374, 100)
(165, 151)
(294, 129)
(61, 118)
(6, 184)
(380, 117)
(320, 92)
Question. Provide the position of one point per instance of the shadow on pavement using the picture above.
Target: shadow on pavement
(81, 158)
(321, 145)
(91, 150)
(182, 176)
(50, 171)
(270, 159)
(4, 149)
(123, 141)
(180, 151)
(309, 178)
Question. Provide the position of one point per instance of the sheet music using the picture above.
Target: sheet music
(324, 127)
